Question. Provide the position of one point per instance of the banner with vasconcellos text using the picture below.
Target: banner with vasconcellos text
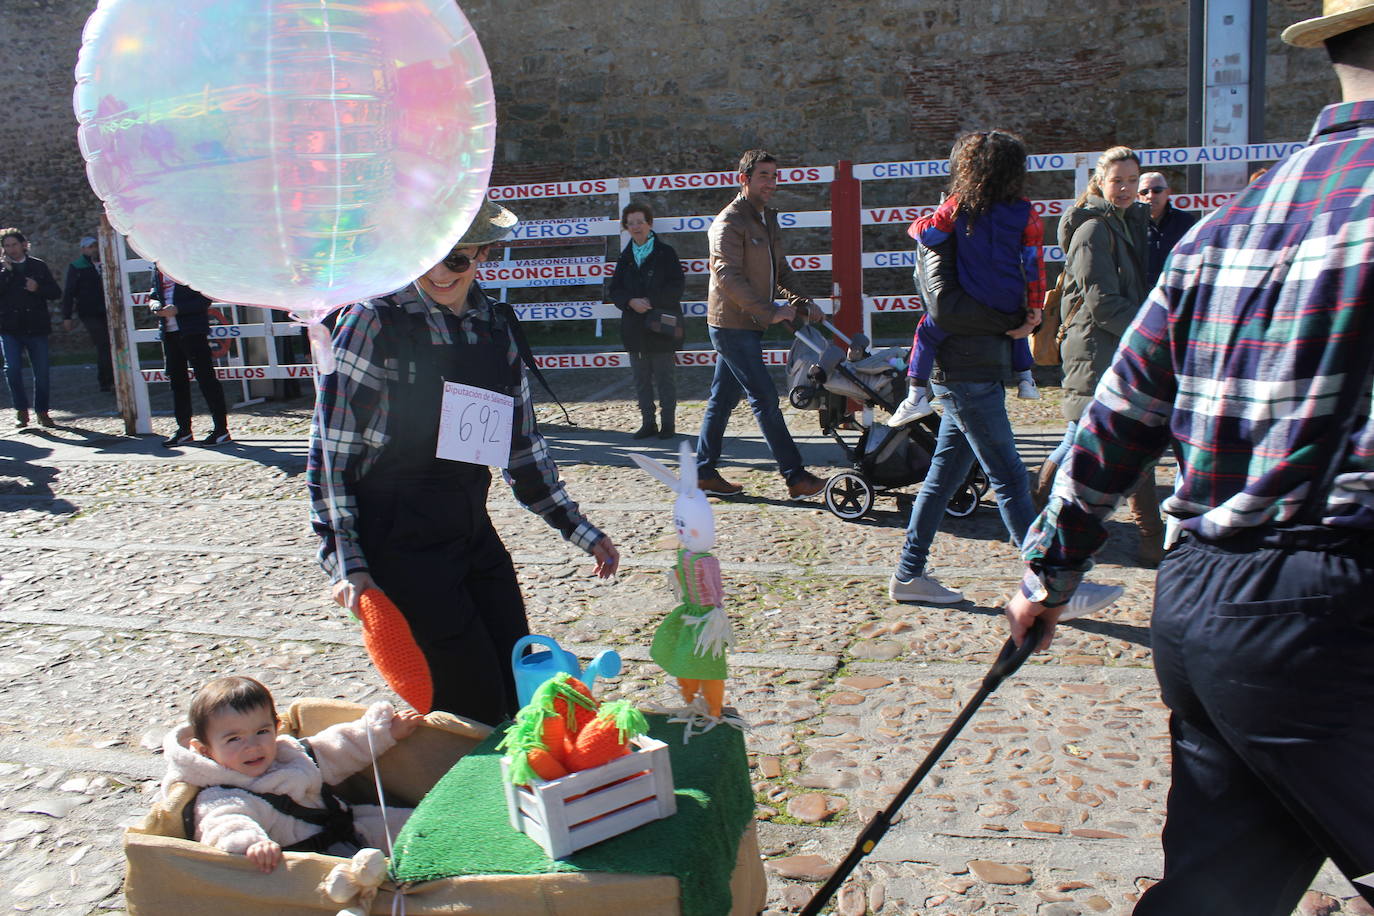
(518, 267)
(610, 360)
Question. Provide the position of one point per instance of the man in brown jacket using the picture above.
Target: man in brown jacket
(748, 268)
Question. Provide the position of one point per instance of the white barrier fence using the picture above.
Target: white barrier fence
(512, 273)
(616, 360)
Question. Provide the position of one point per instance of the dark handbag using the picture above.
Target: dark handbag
(665, 324)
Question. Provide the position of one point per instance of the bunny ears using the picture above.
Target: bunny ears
(684, 485)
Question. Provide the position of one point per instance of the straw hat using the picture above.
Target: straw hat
(492, 223)
(1337, 16)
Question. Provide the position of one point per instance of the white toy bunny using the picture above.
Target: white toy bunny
(691, 642)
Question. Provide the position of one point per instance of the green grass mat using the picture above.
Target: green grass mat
(462, 827)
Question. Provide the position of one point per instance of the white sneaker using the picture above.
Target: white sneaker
(922, 590)
(1026, 390)
(1089, 599)
(911, 409)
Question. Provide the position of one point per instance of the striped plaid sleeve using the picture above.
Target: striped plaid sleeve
(534, 478)
(346, 434)
(1124, 430)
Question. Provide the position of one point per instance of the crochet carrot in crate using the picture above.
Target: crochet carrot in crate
(692, 641)
(394, 652)
(545, 728)
(607, 736)
(262, 792)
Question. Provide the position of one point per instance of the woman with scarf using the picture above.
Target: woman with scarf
(647, 288)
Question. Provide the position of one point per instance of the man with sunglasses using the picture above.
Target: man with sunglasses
(396, 509)
(1167, 223)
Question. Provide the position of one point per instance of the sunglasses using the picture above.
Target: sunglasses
(457, 262)
(1145, 191)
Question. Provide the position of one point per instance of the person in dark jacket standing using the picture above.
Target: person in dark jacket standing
(1167, 223)
(184, 316)
(84, 295)
(647, 288)
(26, 286)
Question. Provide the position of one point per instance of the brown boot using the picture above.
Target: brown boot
(1150, 553)
(1144, 505)
(1044, 483)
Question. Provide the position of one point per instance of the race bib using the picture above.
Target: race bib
(475, 426)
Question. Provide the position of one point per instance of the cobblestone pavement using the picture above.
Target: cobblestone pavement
(130, 574)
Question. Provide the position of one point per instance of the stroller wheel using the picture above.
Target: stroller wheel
(801, 397)
(849, 496)
(980, 480)
(964, 501)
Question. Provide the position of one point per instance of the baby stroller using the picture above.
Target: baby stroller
(821, 374)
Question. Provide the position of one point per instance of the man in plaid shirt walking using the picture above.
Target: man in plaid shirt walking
(1251, 359)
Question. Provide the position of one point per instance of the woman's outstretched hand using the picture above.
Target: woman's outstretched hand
(607, 557)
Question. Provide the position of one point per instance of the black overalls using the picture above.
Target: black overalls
(423, 525)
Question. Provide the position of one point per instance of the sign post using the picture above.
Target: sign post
(121, 347)
(846, 252)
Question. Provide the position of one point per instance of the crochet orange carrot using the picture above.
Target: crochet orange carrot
(544, 764)
(556, 739)
(571, 699)
(389, 642)
(539, 740)
(607, 736)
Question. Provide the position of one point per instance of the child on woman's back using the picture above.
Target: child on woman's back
(998, 254)
(262, 792)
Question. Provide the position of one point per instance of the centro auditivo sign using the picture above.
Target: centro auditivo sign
(594, 271)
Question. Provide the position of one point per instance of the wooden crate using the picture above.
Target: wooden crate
(586, 807)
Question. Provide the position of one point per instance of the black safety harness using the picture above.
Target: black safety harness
(335, 819)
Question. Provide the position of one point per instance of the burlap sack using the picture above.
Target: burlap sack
(169, 875)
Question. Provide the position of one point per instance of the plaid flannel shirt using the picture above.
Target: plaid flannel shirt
(351, 423)
(1237, 358)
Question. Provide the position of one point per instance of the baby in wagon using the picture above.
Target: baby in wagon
(264, 792)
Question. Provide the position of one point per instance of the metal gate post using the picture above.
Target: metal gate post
(846, 251)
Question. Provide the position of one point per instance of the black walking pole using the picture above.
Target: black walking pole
(1008, 661)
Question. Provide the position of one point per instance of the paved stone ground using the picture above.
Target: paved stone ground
(129, 575)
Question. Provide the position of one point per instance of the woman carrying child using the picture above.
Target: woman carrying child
(972, 361)
(998, 249)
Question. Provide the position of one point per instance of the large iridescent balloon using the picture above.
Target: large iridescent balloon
(297, 154)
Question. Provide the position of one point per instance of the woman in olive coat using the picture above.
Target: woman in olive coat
(1106, 258)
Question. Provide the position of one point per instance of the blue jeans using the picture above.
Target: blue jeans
(740, 371)
(974, 425)
(1061, 451)
(14, 346)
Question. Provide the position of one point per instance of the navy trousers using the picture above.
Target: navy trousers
(1264, 648)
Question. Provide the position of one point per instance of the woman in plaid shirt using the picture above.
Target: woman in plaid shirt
(392, 515)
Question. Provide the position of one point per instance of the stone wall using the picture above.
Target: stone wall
(635, 88)
(601, 89)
